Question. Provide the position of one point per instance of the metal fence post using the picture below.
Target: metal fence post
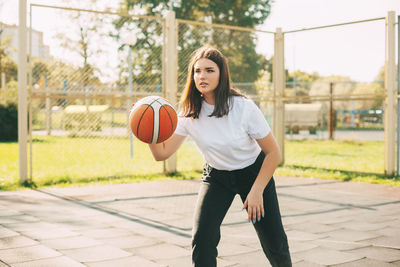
(130, 101)
(390, 103)
(22, 93)
(331, 113)
(48, 107)
(278, 76)
(398, 95)
(171, 73)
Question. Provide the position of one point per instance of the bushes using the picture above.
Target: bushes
(8, 122)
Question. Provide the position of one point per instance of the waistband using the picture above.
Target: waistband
(259, 160)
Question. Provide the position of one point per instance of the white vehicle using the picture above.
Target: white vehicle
(81, 117)
(303, 117)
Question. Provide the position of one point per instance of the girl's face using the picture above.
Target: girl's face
(206, 78)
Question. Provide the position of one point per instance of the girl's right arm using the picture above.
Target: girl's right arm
(164, 150)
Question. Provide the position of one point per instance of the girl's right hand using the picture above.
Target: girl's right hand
(164, 150)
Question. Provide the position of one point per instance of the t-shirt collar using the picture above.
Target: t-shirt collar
(207, 107)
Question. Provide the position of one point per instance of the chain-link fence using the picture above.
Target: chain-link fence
(250, 70)
(335, 110)
(80, 99)
(104, 62)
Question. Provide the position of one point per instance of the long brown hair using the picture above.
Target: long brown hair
(191, 99)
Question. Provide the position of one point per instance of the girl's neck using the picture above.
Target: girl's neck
(209, 98)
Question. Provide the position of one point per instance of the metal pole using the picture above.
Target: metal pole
(278, 77)
(30, 112)
(22, 93)
(124, 15)
(398, 92)
(48, 107)
(130, 82)
(171, 73)
(331, 111)
(335, 25)
(352, 117)
(390, 103)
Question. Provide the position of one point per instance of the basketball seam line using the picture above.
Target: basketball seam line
(141, 120)
(154, 119)
(166, 110)
(172, 124)
(158, 127)
(169, 104)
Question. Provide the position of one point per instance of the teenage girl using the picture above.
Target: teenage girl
(241, 156)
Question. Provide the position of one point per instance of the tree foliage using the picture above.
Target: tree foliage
(39, 70)
(238, 46)
(8, 122)
(7, 64)
(298, 83)
(83, 38)
(10, 68)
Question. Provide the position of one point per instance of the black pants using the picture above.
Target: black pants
(217, 191)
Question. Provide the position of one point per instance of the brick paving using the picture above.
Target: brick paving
(328, 223)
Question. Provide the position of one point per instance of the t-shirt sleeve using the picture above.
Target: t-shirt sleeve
(181, 127)
(257, 125)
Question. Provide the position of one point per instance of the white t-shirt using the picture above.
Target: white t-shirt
(227, 143)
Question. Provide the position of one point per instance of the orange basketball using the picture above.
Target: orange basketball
(153, 119)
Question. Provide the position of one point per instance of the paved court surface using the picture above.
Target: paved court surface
(328, 223)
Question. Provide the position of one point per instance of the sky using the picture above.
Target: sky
(356, 51)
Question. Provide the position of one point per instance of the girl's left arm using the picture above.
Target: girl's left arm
(254, 200)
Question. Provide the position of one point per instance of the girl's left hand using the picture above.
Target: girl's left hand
(254, 205)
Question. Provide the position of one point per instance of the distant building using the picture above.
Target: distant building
(39, 49)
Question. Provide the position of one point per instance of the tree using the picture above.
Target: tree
(369, 89)
(62, 74)
(11, 93)
(39, 70)
(7, 64)
(238, 46)
(301, 77)
(299, 83)
(380, 77)
(342, 86)
(377, 87)
(10, 68)
(83, 39)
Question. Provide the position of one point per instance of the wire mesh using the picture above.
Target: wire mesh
(355, 107)
(101, 63)
(81, 97)
(246, 64)
(250, 69)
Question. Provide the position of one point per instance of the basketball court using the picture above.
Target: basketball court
(328, 223)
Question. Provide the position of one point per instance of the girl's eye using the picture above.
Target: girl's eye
(198, 70)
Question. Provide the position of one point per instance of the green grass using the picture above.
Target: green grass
(361, 161)
(63, 161)
(66, 161)
(339, 155)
